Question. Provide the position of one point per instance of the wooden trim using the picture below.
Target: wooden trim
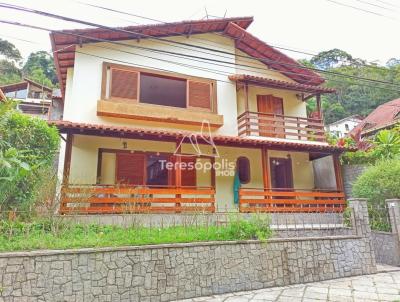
(265, 167)
(99, 163)
(338, 172)
(288, 200)
(82, 199)
(213, 84)
(67, 158)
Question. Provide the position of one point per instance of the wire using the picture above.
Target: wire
(191, 45)
(203, 39)
(160, 51)
(363, 10)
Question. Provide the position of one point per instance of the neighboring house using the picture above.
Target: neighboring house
(385, 116)
(134, 109)
(342, 127)
(34, 98)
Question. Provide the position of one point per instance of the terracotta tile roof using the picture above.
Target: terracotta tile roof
(384, 115)
(131, 132)
(253, 46)
(261, 81)
(64, 42)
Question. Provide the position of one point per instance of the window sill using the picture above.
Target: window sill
(151, 112)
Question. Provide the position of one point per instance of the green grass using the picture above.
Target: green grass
(46, 234)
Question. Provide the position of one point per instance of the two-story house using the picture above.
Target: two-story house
(33, 98)
(186, 117)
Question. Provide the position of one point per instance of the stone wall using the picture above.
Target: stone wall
(178, 271)
(387, 248)
(387, 244)
(168, 272)
(350, 174)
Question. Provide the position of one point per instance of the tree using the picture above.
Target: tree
(40, 60)
(332, 58)
(27, 147)
(9, 50)
(353, 96)
(9, 71)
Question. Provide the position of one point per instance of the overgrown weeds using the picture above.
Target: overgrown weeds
(56, 233)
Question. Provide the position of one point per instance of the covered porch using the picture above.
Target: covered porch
(117, 170)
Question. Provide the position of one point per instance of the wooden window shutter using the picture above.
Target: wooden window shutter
(199, 94)
(124, 84)
(130, 168)
(189, 175)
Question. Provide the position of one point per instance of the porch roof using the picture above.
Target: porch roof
(266, 82)
(169, 135)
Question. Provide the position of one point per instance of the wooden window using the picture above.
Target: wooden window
(160, 90)
(130, 168)
(243, 166)
(124, 84)
(127, 83)
(199, 94)
(188, 172)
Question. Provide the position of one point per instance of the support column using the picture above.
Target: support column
(319, 108)
(360, 221)
(67, 159)
(338, 172)
(394, 215)
(178, 173)
(265, 169)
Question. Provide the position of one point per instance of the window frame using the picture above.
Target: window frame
(107, 80)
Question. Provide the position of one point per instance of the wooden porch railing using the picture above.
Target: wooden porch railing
(284, 201)
(99, 199)
(281, 126)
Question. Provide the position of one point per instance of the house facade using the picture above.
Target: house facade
(188, 117)
(344, 126)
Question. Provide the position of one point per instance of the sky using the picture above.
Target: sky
(367, 29)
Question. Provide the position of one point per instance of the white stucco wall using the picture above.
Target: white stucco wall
(339, 128)
(83, 88)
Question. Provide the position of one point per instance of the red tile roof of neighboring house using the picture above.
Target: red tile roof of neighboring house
(21, 85)
(130, 132)
(280, 84)
(384, 115)
(64, 42)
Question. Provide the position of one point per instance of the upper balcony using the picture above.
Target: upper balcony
(280, 126)
(276, 109)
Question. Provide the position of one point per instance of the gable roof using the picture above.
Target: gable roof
(384, 115)
(64, 44)
(22, 85)
(267, 82)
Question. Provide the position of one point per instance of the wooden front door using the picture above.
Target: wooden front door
(270, 119)
(281, 173)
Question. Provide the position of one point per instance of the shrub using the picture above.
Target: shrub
(27, 148)
(379, 182)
